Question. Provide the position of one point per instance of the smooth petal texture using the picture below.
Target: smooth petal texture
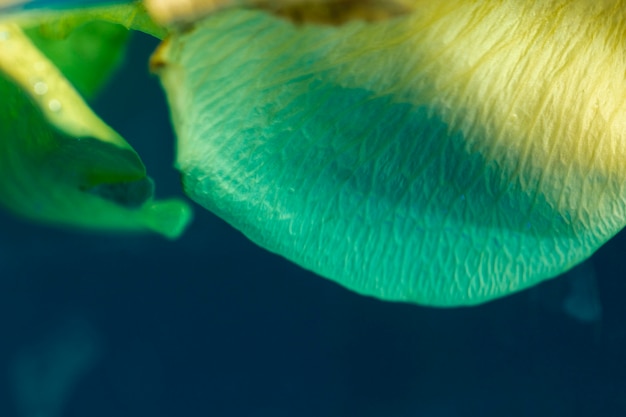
(86, 44)
(61, 164)
(462, 153)
(87, 55)
(61, 17)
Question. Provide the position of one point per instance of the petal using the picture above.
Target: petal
(185, 12)
(61, 164)
(65, 15)
(456, 155)
(87, 55)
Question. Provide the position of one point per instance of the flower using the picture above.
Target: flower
(454, 153)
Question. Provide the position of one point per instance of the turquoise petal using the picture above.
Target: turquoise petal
(447, 158)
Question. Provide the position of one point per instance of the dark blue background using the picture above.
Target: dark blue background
(211, 325)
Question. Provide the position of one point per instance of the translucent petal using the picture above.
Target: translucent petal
(61, 164)
(456, 155)
(65, 15)
(87, 55)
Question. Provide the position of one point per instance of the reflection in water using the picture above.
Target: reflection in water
(583, 301)
(573, 294)
(43, 375)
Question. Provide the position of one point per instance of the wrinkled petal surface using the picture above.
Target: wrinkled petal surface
(467, 151)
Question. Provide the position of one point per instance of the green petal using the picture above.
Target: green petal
(87, 56)
(59, 22)
(59, 163)
(462, 153)
(86, 44)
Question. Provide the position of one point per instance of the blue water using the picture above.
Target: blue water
(211, 325)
